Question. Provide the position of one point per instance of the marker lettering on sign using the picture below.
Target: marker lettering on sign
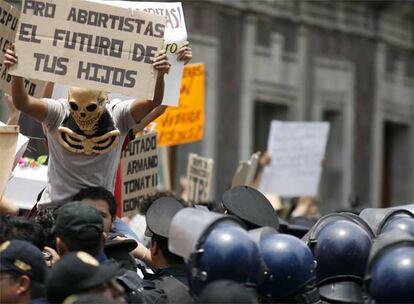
(28, 33)
(125, 24)
(40, 8)
(89, 43)
(4, 44)
(142, 53)
(51, 64)
(106, 74)
(8, 20)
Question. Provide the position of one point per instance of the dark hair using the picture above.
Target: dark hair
(4, 228)
(162, 243)
(46, 217)
(98, 193)
(23, 229)
(146, 202)
(92, 246)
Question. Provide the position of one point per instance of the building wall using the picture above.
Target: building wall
(345, 62)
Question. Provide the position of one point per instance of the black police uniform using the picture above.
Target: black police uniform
(173, 282)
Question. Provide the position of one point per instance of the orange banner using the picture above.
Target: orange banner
(185, 124)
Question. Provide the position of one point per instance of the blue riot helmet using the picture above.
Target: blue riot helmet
(227, 253)
(383, 220)
(290, 266)
(341, 249)
(402, 220)
(390, 272)
(215, 246)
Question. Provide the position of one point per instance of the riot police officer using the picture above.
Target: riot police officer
(170, 274)
(340, 244)
(216, 247)
(289, 269)
(390, 272)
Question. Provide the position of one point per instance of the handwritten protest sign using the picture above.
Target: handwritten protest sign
(9, 20)
(88, 44)
(139, 165)
(175, 37)
(8, 144)
(296, 150)
(185, 124)
(199, 176)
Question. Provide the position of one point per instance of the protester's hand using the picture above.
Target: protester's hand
(14, 114)
(10, 57)
(8, 207)
(265, 159)
(185, 53)
(161, 63)
(141, 252)
(51, 256)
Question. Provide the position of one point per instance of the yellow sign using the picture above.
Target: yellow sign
(185, 124)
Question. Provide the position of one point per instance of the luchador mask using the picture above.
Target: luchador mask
(89, 128)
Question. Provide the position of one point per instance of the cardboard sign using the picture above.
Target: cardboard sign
(175, 37)
(185, 124)
(246, 171)
(139, 165)
(8, 144)
(32, 180)
(22, 142)
(9, 20)
(199, 177)
(296, 150)
(88, 44)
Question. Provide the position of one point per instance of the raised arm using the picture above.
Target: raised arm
(33, 107)
(14, 114)
(140, 109)
(47, 90)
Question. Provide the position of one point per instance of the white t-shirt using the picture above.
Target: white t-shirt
(69, 172)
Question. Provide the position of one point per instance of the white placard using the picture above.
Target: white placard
(175, 36)
(32, 180)
(297, 150)
(199, 176)
(139, 164)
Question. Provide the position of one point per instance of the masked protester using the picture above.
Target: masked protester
(85, 132)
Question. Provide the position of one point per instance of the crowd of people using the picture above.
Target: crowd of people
(72, 248)
(238, 251)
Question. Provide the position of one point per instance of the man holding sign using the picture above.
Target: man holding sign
(84, 131)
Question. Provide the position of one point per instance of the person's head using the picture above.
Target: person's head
(46, 217)
(20, 228)
(158, 218)
(22, 272)
(79, 227)
(101, 199)
(86, 107)
(80, 272)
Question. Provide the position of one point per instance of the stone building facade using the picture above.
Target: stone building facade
(347, 62)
